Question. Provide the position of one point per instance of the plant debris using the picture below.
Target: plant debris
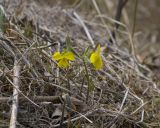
(122, 94)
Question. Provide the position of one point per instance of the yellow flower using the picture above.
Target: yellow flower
(63, 58)
(96, 59)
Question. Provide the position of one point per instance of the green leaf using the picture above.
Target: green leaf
(2, 20)
(28, 30)
(86, 51)
(68, 43)
(69, 46)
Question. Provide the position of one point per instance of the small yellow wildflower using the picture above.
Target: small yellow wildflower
(96, 59)
(63, 58)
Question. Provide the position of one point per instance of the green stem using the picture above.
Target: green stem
(88, 81)
(68, 84)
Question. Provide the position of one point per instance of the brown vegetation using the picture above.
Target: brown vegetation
(124, 94)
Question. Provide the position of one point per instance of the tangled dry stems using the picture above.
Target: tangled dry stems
(124, 94)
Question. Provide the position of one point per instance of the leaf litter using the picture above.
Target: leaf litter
(124, 94)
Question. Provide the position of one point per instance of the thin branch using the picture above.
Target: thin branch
(120, 6)
(53, 99)
(14, 110)
(85, 28)
(103, 21)
(77, 118)
(124, 99)
(134, 17)
(21, 92)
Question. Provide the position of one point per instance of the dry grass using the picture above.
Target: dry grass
(123, 93)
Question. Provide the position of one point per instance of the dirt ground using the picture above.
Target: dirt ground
(124, 94)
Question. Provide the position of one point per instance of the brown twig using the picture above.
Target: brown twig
(53, 99)
(120, 6)
(78, 118)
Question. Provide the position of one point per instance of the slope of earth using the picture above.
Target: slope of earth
(122, 94)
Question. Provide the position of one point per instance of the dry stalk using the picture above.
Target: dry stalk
(53, 99)
(21, 92)
(102, 20)
(124, 99)
(14, 110)
(79, 117)
(85, 28)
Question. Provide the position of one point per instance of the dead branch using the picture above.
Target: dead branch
(53, 99)
(15, 96)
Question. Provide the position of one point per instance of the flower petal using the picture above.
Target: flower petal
(63, 63)
(69, 56)
(96, 60)
(57, 56)
(98, 64)
(93, 57)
